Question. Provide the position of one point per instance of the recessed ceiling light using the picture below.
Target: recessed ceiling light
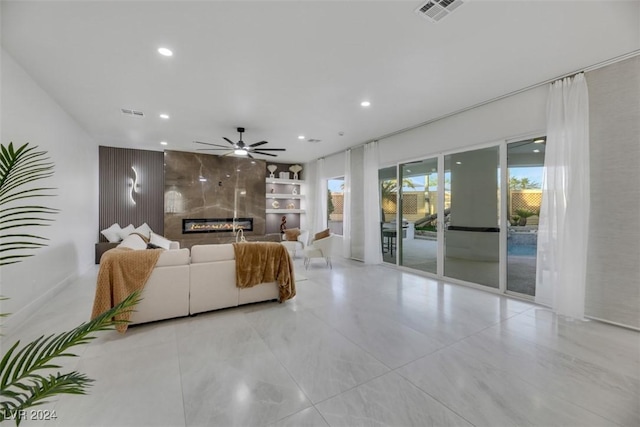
(538, 140)
(458, 163)
(365, 103)
(409, 170)
(163, 142)
(202, 179)
(164, 116)
(536, 151)
(300, 136)
(165, 52)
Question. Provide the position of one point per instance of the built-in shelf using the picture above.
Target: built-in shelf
(284, 181)
(284, 211)
(283, 203)
(284, 196)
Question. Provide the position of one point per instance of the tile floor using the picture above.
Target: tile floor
(358, 346)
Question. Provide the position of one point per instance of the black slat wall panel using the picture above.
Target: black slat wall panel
(115, 177)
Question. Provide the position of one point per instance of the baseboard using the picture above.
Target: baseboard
(15, 319)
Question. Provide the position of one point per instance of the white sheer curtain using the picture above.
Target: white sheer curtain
(372, 248)
(564, 214)
(346, 207)
(320, 214)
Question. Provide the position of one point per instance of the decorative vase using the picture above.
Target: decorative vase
(295, 190)
(295, 169)
(272, 169)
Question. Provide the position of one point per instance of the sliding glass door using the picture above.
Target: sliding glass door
(442, 215)
(388, 181)
(418, 247)
(525, 161)
(472, 233)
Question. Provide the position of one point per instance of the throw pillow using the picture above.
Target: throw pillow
(143, 230)
(160, 241)
(133, 241)
(322, 234)
(123, 233)
(292, 234)
(111, 233)
(145, 238)
(152, 246)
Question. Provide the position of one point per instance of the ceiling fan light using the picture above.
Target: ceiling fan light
(240, 152)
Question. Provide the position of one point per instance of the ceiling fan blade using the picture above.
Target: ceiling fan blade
(258, 144)
(212, 149)
(272, 149)
(229, 141)
(209, 143)
(250, 156)
(265, 154)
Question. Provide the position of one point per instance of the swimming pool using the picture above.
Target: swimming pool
(521, 250)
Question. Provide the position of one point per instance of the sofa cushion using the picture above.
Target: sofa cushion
(144, 230)
(173, 257)
(133, 241)
(160, 241)
(123, 233)
(210, 253)
(111, 233)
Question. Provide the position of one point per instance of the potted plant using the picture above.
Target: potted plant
(28, 375)
(524, 214)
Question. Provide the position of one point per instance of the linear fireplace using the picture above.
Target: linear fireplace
(215, 225)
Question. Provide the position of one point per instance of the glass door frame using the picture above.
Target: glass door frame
(502, 212)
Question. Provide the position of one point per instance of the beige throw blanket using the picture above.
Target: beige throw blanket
(122, 271)
(263, 262)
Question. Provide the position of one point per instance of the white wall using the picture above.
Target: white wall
(507, 118)
(28, 114)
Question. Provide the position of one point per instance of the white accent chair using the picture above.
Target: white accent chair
(322, 248)
(294, 246)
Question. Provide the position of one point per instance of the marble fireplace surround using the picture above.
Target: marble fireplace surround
(204, 186)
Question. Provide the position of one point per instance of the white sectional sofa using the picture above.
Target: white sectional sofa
(213, 281)
(166, 293)
(179, 285)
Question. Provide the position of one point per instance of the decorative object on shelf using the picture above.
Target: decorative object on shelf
(272, 169)
(284, 175)
(295, 169)
(283, 224)
(275, 204)
(272, 190)
(294, 191)
(291, 206)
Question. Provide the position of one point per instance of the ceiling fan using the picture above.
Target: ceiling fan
(240, 148)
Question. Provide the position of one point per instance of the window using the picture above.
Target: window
(335, 204)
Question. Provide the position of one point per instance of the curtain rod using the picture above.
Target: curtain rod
(498, 98)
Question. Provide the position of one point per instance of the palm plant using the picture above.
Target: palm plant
(23, 384)
(25, 372)
(19, 168)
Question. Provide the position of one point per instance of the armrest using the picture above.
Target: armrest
(174, 245)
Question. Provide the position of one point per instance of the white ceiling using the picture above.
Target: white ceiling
(284, 68)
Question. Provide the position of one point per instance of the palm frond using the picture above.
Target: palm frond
(19, 169)
(21, 381)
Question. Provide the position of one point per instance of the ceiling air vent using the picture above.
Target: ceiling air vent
(435, 10)
(132, 113)
(315, 141)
